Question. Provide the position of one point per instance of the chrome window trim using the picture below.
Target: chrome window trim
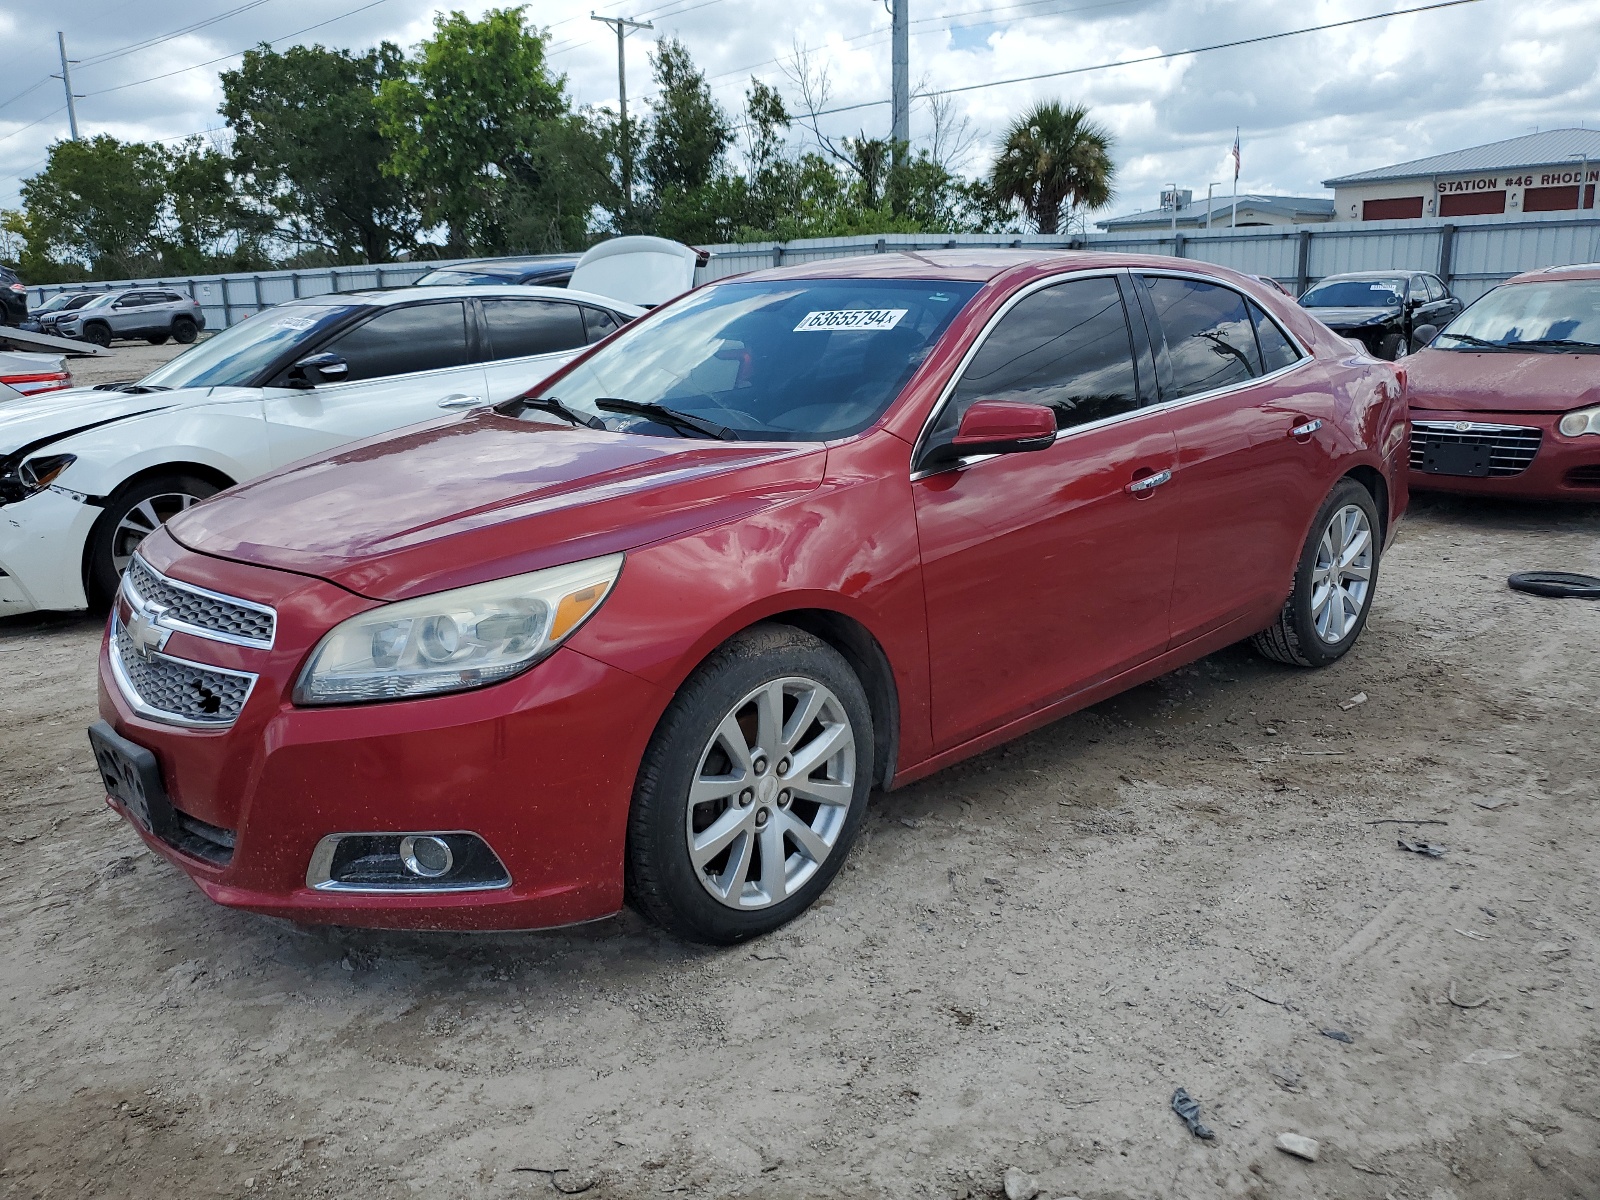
(136, 702)
(319, 871)
(1306, 358)
(142, 603)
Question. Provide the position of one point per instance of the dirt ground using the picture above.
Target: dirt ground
(1185, 886)
(127, 360)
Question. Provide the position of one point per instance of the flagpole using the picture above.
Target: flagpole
(1233, 220)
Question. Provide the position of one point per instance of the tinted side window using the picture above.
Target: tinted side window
(423, 337)
(1277, 351)
(1067, 347)
(1209, 338)
(523, 327)
(1436, 290)
(599, 323)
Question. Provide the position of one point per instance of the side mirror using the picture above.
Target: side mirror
(1422, 335)
(326, 367)
(1002, 427)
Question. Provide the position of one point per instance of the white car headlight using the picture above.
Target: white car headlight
(1585, 420)
(455, 640)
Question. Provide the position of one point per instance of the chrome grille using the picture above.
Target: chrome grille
(197, 611)
(1511, 447)
(173, 689)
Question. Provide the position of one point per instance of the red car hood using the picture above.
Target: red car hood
(1497, 381)
(461, 501)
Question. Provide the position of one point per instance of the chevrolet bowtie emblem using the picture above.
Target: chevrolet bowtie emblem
(147, 637)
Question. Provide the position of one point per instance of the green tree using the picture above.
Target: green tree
(487, 135)
(308, 151)
(1054, 158)
(688, 134)
(101, 202)
(208, 226)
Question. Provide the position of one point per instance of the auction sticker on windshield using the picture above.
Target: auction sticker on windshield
(850, 318)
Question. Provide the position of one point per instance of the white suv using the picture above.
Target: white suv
(86, 474)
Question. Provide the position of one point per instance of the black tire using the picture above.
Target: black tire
(97, 334)
(183, 329)
(1293, 638)
(108, 541)
(157, 339)
(663, 883)
(1393, 346)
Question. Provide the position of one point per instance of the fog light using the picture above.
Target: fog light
(427, 856)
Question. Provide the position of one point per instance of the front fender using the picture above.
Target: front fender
(231, 441)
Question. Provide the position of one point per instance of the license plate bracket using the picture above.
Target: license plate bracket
(132, 777)
(1457, 458)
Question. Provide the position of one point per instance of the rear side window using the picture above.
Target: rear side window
(518, 328)
(599, 322)
(1436, 290)
(1066, 347)
(424, 337)
(1205, 334)
(1277, 351)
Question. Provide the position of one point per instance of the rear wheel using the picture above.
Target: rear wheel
(99, 335)
(752, 788)
(184, 330)
(1333, 584)
(131, 515)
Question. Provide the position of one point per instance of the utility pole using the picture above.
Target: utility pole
(900, 129)
(66, 79)
(624, 27)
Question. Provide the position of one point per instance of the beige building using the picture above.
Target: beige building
(1538, 172)
(1192, 214)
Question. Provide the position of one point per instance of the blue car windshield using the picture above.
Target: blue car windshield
(237, 355)
(783, 360)
(1355, 293)
(1541, 316)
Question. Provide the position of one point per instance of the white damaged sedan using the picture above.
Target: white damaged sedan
(86, 474)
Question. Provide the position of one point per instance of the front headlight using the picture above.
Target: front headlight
(455, 640)
(1585, 420)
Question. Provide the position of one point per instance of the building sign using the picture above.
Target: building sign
(1494, 183)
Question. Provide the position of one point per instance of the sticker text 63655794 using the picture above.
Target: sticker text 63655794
(850, 318)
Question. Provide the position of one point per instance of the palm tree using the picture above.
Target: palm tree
(1054, 157)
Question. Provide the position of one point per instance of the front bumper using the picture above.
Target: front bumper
(1563, 468)
(541, 767)
(41, 552)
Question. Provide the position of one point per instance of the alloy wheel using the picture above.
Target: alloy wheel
(1341, 577)
(142, 520)
(771, 793)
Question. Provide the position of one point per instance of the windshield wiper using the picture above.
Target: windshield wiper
(1476, 342)
(550, 404)
(133, 389)
(1558, 344)
(684, 423)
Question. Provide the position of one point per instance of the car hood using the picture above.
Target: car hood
(1349, 318)
(1501, 381)
(37, 421)
(464, 500)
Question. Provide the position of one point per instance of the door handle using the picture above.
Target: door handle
(461, 401)
(1306, 430)
(1143, 487)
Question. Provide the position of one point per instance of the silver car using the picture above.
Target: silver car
(153, 313)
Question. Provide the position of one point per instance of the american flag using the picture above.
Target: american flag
(1236, 154)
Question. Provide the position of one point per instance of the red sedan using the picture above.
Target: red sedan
(654, 632)
(1506, 401)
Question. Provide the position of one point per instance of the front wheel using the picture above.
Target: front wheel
(1333, 583)
(131, 515)
(1393, 346)
(752, 788)
(97, 335)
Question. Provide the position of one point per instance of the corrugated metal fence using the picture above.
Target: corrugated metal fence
(1470, 254)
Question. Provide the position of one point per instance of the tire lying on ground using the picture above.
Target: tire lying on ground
(1561, 585)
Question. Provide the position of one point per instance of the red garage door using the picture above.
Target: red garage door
(1472, 204)
(1555, 199)
(1392, 210)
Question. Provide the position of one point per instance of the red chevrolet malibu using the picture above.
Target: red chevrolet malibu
(653, 632)
(1506, 401)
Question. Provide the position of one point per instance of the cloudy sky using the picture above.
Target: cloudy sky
(1310, 107)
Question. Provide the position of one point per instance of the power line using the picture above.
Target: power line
(135, 47)
(1150, 58)
(31, 124)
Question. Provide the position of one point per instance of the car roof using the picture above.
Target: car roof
(411, 295)
(1398, 272)
(509, 265)
(978, 265)
(1575, 271)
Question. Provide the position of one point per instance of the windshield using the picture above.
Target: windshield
(463, 278)
(102, 301)
(54, 304)
(1355, 293)
(790, 360)
(234, 357)
(1550, 314)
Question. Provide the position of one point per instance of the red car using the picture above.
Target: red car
(1506, 400)
(654, 631)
